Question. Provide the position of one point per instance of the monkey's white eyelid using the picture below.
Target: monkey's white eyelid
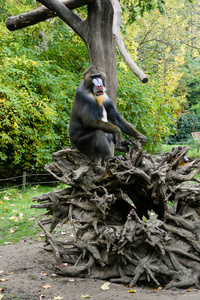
(95, 82)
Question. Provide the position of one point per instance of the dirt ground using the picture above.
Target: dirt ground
(27, 272)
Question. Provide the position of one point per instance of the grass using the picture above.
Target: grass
(18, 220)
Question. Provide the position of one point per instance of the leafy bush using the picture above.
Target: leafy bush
(146, 108)
(186, 124)
(37, 88)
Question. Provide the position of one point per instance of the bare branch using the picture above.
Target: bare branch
(120, 44)
(40, 14)
(62, 11)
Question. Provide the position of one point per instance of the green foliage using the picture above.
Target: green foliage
(151, 112)
(38, 79)
(186, 124)
(139, 7)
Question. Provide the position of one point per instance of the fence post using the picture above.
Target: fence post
(24, 182)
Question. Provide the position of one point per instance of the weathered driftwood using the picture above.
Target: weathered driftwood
(106, 207)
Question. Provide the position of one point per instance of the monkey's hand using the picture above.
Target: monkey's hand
(123, 146)
(142, 139)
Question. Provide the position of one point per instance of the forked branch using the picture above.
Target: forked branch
(40, 14)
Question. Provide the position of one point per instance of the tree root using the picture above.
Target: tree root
(106, 208)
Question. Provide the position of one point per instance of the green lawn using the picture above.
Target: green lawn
(18, 220)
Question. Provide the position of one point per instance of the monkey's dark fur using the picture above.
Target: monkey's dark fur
(94, 121)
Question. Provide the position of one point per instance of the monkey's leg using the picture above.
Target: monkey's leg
(95, 145)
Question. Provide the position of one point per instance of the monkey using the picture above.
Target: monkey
(94, 121)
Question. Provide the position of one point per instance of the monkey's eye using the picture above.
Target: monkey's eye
(97, 81)
(95, 76)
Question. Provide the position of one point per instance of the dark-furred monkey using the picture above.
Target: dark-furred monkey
(94, 121)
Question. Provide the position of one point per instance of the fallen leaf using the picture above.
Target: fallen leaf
(7, 243)
(71, 280)
(85, 296)
(1, 271)
(1, 296)
(16, 219)
(128, 285)
(132, 291)
(44, 274)
(158, 289)
(3, 279)
(21, 215)
(189, 290)
(65, 264)
(105, 286)
(1, 289)
(54, 275)
(46, 287)
(9, 273)
(58, 298)
(12, 230)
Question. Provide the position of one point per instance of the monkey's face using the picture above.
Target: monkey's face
(95, 82)
(98, 87)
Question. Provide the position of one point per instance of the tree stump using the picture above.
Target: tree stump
(108, 209)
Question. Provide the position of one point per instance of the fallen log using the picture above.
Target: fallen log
(134, 220)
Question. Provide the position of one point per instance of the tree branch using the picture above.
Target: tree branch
(120, 44)
(40, 14)
(70, 18)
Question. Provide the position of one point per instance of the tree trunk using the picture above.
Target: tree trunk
(101, 44)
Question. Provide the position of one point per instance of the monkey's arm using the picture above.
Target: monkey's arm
(87, 113)
(104, 126)
(125, 127)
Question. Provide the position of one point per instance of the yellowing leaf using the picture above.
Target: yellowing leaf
(1, 296)
(3, 279)
(105, 286)
(132, 291)
(85, 296)
(158, 289)
(46, 287)
(14, 218)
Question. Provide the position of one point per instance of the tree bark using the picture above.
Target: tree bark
(100, 42)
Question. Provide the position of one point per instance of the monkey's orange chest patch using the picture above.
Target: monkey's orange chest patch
(100, 98)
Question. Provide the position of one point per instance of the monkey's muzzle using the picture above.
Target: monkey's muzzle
(98, 86)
